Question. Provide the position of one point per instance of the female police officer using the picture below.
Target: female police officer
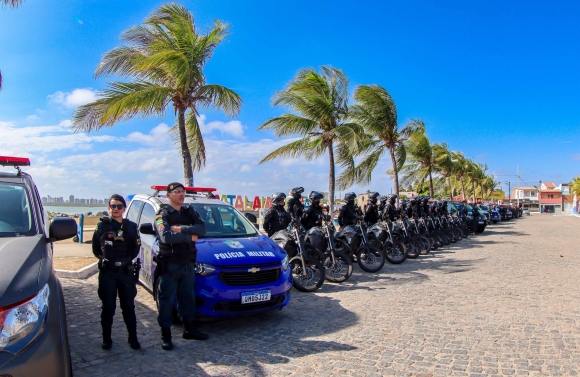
(116, 242)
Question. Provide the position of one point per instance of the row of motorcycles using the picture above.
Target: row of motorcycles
(322, 253)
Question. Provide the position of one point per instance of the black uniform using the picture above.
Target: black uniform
(176, 262)
(312, 216)
(390, 212)
(347, 215)
(371, 213)
(425, 211)
(291, 203)
(276, 219)
(116, 245)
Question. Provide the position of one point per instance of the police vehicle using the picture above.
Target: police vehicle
(239, 270)
(33, 329)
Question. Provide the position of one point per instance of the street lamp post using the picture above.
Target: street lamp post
(509, 191)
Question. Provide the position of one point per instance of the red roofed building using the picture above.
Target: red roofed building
(550, 198)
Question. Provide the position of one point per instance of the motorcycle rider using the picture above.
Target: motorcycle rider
(276, 217)
(425, 209)
(348, 212)
(475, 212)
(294, 206)
(371, 209)
(313, 214)
(390, 212)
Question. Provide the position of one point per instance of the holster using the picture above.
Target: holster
(136, 269)
(161, 264)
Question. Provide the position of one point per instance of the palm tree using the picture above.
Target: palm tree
(12, 3)
(320, 101)
(421, 162)
(461, 167)
(164, 60)
(376, 113)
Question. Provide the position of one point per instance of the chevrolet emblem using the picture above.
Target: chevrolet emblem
(253, 269)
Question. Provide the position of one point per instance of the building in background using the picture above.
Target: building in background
(550, 198)
(527, 196)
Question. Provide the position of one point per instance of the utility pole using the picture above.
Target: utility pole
(518, 188)
(509, 191)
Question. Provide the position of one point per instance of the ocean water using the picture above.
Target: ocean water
(71, 210)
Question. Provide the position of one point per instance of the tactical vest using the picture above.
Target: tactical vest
(178, 252)
(119, 247)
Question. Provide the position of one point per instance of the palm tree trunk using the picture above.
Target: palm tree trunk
(463, 189)
(187, 169)
(474, 195)
(331, 180)
(395, 172)
(430, 183)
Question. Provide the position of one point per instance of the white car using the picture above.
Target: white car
(526, 211)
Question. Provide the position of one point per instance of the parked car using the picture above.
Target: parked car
(508, 215)
(239, 270)
(494, 216)
(526, 211)
(481, 220)
(33, 328)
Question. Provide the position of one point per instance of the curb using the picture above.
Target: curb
(83, 273)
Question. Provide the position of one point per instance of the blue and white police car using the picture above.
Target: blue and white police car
(239, 270)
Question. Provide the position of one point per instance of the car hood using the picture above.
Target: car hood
(238, 251)
(20, 268)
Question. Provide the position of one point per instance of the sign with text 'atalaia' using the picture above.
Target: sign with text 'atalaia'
(243, 204)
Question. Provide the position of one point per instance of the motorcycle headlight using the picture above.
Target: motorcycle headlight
(285, 263)
(20, 321)
(204, 269)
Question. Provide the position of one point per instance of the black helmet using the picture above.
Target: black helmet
(426, 199)
(392, 198)
(349, 196)
(315, 196)
(373, 196)
(297, 192)
(404, 202)
(278, 196)
(413, 201)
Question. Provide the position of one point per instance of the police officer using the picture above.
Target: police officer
(294, 206)
(177, 227)
(276, 218)
(412, 208)
(116, 243)
(371, 209)
(390, 211)
(348, 212)
(425, 209)
(313, 215)
(475, 212)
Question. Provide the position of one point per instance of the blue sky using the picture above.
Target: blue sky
(496, 80)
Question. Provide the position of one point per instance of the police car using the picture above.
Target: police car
(239, 270)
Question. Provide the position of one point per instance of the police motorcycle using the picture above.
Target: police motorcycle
(456, 224)
(411, 243)
(362, 243)
(308, 271)
(420, 229)
(337, 264)
(388, 238)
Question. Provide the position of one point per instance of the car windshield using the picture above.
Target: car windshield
(485, 208)
(15, 216)
(223, 221)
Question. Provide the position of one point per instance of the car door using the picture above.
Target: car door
(149, 245)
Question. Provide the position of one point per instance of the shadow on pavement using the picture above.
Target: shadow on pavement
(244, 345)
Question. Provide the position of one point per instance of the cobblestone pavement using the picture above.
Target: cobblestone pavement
(504, 303)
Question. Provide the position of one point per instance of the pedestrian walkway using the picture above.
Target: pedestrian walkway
(505, 303)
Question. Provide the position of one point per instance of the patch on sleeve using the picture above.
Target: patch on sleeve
(159, 221)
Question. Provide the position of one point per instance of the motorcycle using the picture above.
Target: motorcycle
(390, 243)
(369, 256)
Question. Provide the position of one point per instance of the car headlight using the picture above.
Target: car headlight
(18, 322)
(285, 263)
(204, 269)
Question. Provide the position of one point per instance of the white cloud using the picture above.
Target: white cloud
(73, 99)
(246, 168)
(32, 118)
(233, 127)
(158, 135)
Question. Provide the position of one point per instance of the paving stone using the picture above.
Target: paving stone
(503, 303)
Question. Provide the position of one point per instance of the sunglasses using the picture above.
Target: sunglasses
(116, 206)
(178, 192)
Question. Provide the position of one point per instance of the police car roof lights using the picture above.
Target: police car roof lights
(14, 161)
(189, 190)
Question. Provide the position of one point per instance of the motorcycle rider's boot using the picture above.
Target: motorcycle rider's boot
(190, 332)
(166, 339)
(133, 341)
(107, 341)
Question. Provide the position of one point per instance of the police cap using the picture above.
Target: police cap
(173, 185)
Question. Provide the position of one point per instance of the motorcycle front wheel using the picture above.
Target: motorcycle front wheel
(339, 270)
(370, 258)
(413, 248)
(395, 252)
(307, 277)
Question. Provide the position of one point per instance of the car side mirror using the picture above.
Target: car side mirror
(147, 228)
(251, 217)
(62, 228)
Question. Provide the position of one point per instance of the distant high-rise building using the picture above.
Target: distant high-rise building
(49, 199)
(71, 199)
(44, 200)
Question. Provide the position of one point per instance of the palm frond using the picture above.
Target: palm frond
(219, 97)
(289, 151)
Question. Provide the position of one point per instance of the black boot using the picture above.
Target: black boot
(166, 339)
(190, 332)
(133, 341)
(107, 341)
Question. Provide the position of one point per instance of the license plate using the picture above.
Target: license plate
(251, 297)
(481, 222)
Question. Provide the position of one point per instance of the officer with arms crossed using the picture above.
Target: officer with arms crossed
(276, 218)
(116, 242)
(371, 209)
(313, 215)
(177, 228)
(294, 206)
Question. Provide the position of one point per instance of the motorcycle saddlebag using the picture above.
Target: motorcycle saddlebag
(284, 239)
(351, 236)
(379, 231)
